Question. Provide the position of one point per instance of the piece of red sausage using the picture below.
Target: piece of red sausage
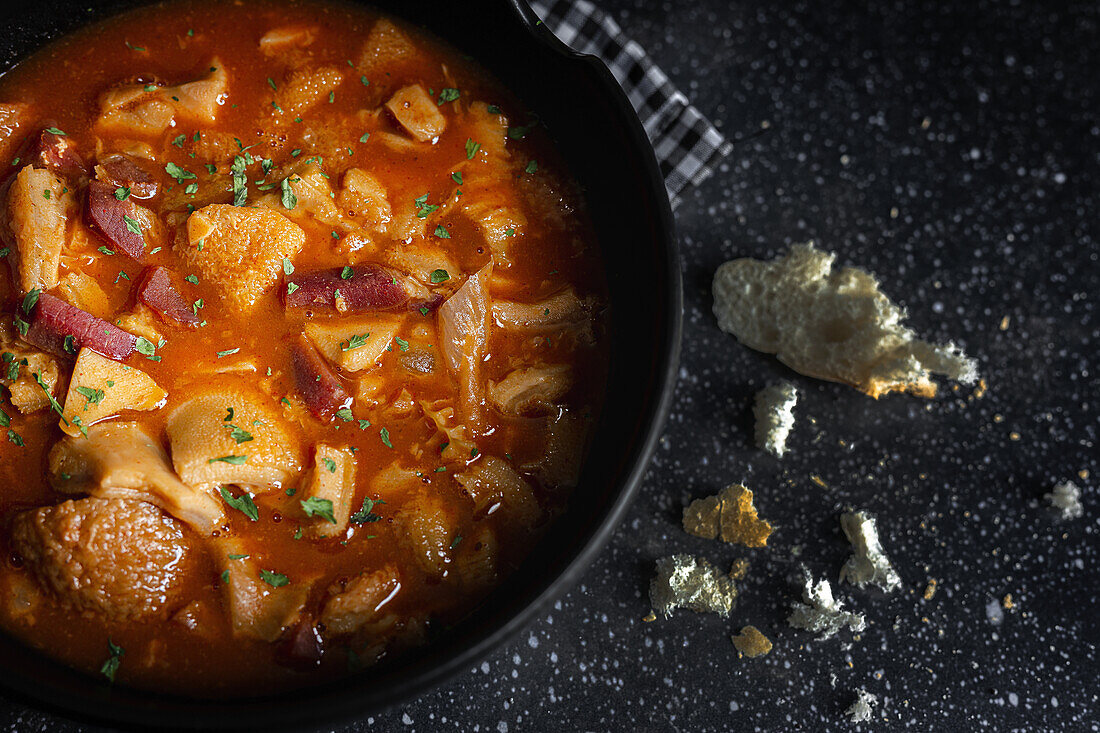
(53, 320)
(317, 382)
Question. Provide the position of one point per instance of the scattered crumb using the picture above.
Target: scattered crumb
(820, 612)
(1004, 323)
(1007, 603)
(1083, 474)
(729, 516)
(774, 412)
(739, 569)
(868, 563)
(751, 643)
(684, 581)
(649, 617)
(833, 324)
(1066, 498)
(981, 389)
(930, 589)
(860, 710)
(819, 481)
(1013, 435)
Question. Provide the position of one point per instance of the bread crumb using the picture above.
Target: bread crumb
(1007, 603)
(1004, 323)
(820, 612)
(751, 643)
(739, 569)
(980, 390)
(649, 617)
(835, 325)
(729, 516)
(774, 412)
(683, 581)
(868, 563)
(930, 589)
(1066, 498)
(860, 710)
(819, 481)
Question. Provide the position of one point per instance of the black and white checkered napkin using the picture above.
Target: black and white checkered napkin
(688, 146)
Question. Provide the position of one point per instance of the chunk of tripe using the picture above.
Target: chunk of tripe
(417, 113)
(523, 388)
(36, 215)
(120, 460)
(729, 516)
(255, 447)
(238, 250)
(354, 344)
(136, 109)
(331, 486)
(836, 325)
(102, 387)
(257, 609)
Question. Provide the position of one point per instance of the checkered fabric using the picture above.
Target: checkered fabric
(687, 145)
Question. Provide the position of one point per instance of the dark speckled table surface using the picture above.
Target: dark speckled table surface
(953, 151)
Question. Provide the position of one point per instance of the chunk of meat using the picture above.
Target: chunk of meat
(120, 460)
(84, 292)
(124, 225)
(496, 210)
(528, 387)
(21, 596)
(258, 609)
(332, 480)
(356, 343)
(367, 287)
(457, 445)
(136, 110)
(385, 50)
(36, 211)
(279, 40)
(494, 485)
(320, 387)
(101, 388)
(14, 116)
(426, 530)
(159, 293)
(362, 602)
(417, 113)
(54, 152)
(463, 323)
(313, 195)
(303, 88)
(19, 367)
(364, 198)
(125, 171)
(477, 561)
(200, 432)
(301, 648)
(119, 558)
(490, 129)
(242, 250)
(421, 259)
(53, 321)
(563, 309)
(560, 464)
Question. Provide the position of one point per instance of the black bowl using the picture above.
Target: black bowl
(602, 141)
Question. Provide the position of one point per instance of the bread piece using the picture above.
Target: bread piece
(774, 412)
(868, 563)
(683, 581)
(730, 516)
(820, 613)
(830, 325)
(1066, 498)
(860, 710)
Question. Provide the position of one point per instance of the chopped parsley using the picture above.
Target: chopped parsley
(122, 193)
(145, 346)
(55, 131)
(232, 460)
(109, 668)
(288, 197)
(242, 503)
(30, 300)
(93, 396)
(471, 148)
(439, 276)
(448, 94)
(366, 514)
(441, 232)
(357, 341)
(317, 507)
(275, 580)
(385, 437)
(288, 267)
(402, 343)
(532, 167)
(240, 435)
(180, 174)
(228, 352)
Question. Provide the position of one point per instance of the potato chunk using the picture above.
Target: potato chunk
(36, 215)
(242, 249)
(333, 481)
(250, 446)
(119, 460)
(417, 113)
(357, 343)
(102, 387)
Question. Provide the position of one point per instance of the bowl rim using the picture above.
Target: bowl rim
(666, 369)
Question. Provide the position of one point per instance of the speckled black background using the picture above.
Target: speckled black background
(953, 151)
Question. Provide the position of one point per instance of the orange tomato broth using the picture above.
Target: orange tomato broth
(175, 43)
